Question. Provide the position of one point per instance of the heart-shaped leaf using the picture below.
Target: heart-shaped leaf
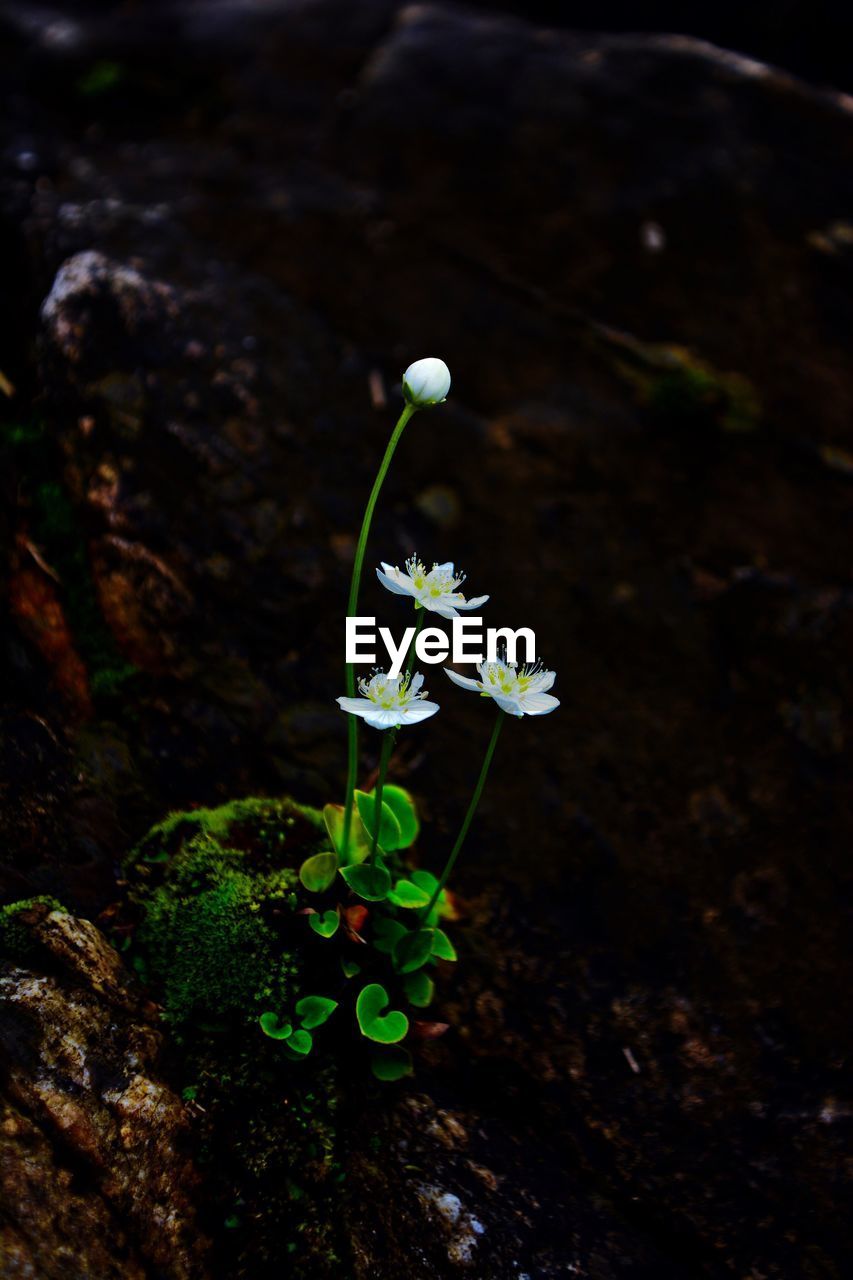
(350, 968)
(326, 924)
(413, 951)
(300, 1043)
(318, 871)
(407, 894)
(402, 806)
(315, 1010)
(369, 880)
(392, 1064)
(419, 988)
(390, 836)
(386, 933)
(442, 947)
(386, 1028)
(276, 1030)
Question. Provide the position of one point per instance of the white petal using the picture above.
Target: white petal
(418, 710)
(543, 682)
(417, 682)
(355, 706)
(400, 583)
(445, 567)
(383, 717)
(443, 608)
(511, 706)
(464, 682)
(539, 704)
(471, 604)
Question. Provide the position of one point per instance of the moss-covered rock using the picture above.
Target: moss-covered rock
(216, 890)
(219, 940)
(16, 935)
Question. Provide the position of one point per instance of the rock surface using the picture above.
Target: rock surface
(95, 1179)
(228, 231)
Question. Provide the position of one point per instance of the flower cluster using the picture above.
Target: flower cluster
(387, 702)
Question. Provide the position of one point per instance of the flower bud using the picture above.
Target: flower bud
(426, 382)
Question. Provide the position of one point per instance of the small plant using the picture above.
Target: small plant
(363, 895)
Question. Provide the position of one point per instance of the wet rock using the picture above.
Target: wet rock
(94, 1171)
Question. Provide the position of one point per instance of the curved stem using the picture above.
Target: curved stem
(352, 610)
(472, 808)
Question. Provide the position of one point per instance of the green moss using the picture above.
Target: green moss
(217, 892)
(16, 938)
(220, 943)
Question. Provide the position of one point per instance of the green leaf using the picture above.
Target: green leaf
(369, 880)
(276, 1030)
(426, 881)
(300, 1043)
(390, 836)
(350, 968)
(384, 1029)
(359, 842)
(403, 808)
(393, 1064)
(315, 1010)
(419, 988)
(414, 950)
(407, 894)
(386, 933)
(318, 872)
(442, 947)
(326, 925)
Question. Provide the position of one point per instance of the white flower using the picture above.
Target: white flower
(435, 590)
(426, 382)
(519, 692)
(390, 700)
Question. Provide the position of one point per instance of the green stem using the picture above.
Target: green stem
(472, 808)
(352, 611)
(384, 757)
(388, 744)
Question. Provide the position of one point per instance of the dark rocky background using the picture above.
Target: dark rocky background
(226, 229)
